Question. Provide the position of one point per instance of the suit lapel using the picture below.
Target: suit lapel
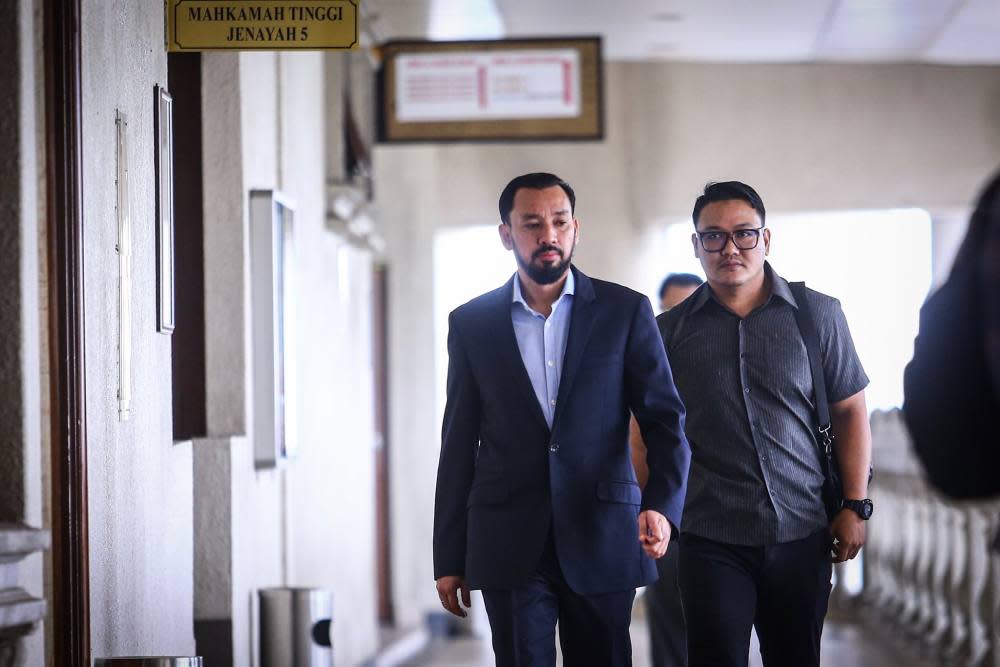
(509, 353)
(580, 327)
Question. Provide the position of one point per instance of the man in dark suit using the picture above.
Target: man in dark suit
(537, 502)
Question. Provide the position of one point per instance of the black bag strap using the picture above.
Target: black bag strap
(810, 336)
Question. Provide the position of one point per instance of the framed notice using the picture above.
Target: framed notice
(164, 133)
(500, 90)
(272, 253)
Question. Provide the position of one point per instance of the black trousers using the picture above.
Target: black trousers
(665, 613)
(593, 629)
(780, 589)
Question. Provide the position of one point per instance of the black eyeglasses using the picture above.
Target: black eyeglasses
(744, 239)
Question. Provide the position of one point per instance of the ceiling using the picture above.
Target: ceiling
(960, 32)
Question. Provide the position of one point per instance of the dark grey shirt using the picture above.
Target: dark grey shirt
(755, 470)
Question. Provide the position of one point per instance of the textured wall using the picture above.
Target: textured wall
(810, 137)
(311, 522)
(226, 276)
(141, 554)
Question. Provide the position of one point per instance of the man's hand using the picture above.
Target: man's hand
(848, 530)
(448, 588)
(654, 533)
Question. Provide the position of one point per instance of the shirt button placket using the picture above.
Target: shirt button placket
(744, 378)
(751, 411)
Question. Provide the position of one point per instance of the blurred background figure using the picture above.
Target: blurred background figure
(952, 384)
(665, 614)
(676, 287)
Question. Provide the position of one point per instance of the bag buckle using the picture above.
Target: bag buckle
(827, 438)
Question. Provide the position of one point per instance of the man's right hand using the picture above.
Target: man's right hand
(448, 588)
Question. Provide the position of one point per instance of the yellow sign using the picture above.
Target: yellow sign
(266, 25)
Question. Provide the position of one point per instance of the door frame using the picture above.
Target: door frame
(70, 604)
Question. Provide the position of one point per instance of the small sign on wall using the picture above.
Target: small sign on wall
(265, 25)
(532, 89)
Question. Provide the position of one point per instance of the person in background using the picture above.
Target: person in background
(675, 288)
(536, 500)
(756, 539)
(951, 386)
(664, 611)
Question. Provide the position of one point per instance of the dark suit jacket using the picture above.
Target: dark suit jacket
(504, 478)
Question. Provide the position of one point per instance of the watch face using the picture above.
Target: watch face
(863, 508)
(866, 509)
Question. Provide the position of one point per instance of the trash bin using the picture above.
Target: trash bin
(149, 661)
(295, 627)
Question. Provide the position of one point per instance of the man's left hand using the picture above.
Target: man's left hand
(654, 533)
(848, 531)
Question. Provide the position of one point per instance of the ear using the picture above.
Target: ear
(504, 230)
(696, 245)
(767, 241)
(576, 232)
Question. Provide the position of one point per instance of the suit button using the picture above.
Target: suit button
(553, 447)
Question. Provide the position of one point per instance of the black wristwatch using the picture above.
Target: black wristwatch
(863, 508)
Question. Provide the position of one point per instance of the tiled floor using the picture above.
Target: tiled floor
(846, 643)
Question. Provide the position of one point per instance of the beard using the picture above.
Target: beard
(548, 272)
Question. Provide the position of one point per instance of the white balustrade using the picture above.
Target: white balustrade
(931, 572)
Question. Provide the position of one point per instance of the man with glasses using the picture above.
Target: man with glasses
(755, 540)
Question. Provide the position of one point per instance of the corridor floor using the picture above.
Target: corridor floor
(846, 643)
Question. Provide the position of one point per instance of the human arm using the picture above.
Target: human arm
(637, 446)
(654, 529)
(659, 413)
(456, 465)
(853, 447)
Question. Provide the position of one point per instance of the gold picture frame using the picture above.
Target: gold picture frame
(581, 119)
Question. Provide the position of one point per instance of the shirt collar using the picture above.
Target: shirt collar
(779, 288)
(569, 287)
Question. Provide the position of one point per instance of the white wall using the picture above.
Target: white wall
(812, 137)
(311, 522)
(139, 481)
(809, 137)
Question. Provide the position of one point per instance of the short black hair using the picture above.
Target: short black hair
(727, 191)
(679, 280)
(536, 181)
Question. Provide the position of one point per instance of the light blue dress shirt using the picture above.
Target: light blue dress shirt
(542, 342)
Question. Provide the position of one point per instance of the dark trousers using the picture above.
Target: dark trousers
(665, 613)
(593, 629)
(781, 589)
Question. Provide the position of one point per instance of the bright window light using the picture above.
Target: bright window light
(468, 261)
(877, 263)
(465, 19)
